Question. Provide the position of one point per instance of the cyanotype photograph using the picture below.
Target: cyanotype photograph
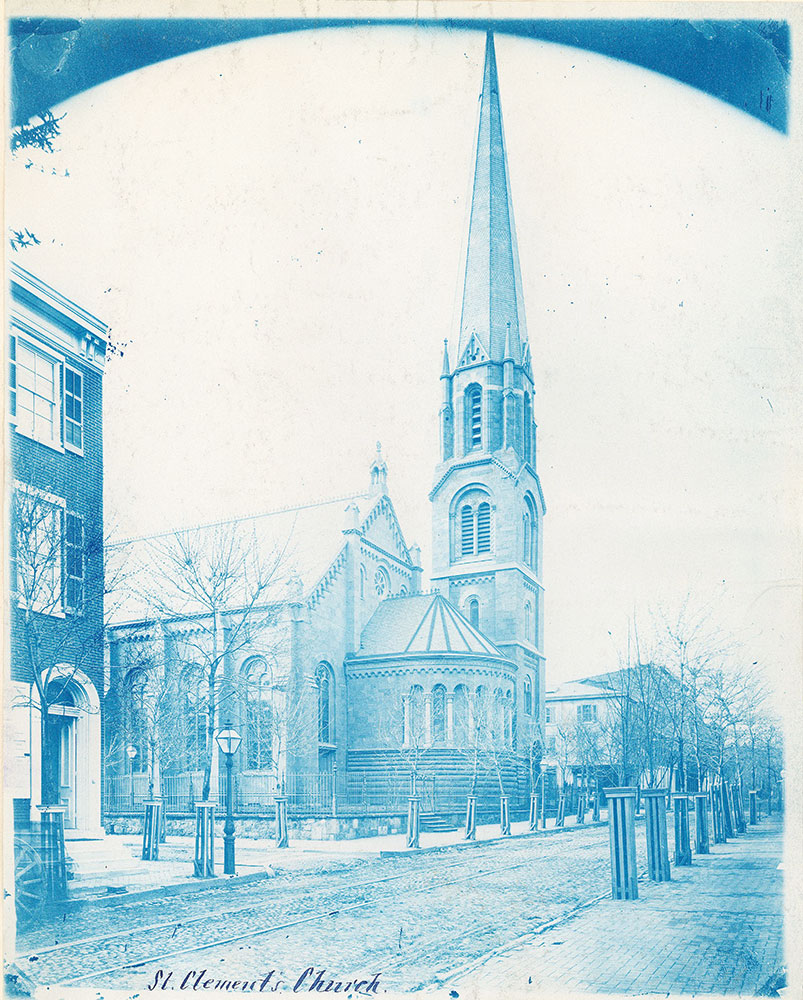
(403, 494)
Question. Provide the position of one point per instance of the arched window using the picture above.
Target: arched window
(416, 735)
(438, 713)
(136, 718)
(528, 425)
(474, 612)
(259, 718)
(467, 531)
(362, 581)
(403, 591)
(473, 527)
(473, 417)
(461, 715)
(194, 709)
(528, 621)
(508, 710)
(326, 703)
(381, 582)
(530, 517)
(528, 696)
(480, 710)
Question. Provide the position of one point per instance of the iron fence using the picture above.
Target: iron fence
(308, 794)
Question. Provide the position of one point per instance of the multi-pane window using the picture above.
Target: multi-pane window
(326, 704)
(258, 715)
(37, 387)
(548, 713)
(381, 582)
(73, 408)
(38, 550)
(586, 713)
(439, 713)
(46, 396)
(73, 561)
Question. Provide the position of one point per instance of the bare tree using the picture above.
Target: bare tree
(57, 590)
(219, 578)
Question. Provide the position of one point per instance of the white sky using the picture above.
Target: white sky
(275, 229)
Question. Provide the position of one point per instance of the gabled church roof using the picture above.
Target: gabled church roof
(303, 541)
(493, 303)
(422, 623)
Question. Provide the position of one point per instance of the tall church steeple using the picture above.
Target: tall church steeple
(487, 503)
(492, 304)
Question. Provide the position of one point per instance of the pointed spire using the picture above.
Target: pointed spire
(492, 296)
(447, 371)
(379, 473)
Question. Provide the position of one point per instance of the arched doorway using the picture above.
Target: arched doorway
(71, 753)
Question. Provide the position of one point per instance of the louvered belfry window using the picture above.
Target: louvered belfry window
(484, 528)
(467, 531)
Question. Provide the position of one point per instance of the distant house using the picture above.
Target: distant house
(54, 695)
(613, 727)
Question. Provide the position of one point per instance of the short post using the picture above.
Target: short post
(717, 814)
(413, 821)
(53, 853)
(753, 807)
(680, 801)
(282, 838)
(622, 832)
(504, 816)
(471, 818)
(204, 840)
(560, 818)
(151, 831)
(657, 845)
(533, 824)
(702, 843)
(595, 812)
(727, 809)
(581, 807)
(738, 808)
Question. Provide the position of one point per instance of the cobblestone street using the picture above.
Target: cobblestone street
(422, 921)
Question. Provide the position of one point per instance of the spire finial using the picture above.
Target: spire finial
(446, 369)
(379, 473)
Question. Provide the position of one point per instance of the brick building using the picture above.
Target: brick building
(351, 667)
(55, 673)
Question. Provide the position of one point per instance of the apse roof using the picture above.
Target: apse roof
(421, 623)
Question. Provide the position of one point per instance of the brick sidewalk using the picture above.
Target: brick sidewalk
(715, 928)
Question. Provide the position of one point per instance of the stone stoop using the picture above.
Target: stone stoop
(94, 864)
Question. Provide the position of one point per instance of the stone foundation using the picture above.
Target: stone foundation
(264, 827)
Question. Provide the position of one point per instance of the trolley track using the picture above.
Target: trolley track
(335, 908)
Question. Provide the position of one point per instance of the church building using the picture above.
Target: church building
(351, 677)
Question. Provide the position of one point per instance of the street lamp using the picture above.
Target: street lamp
(229, 740)
(131, 752)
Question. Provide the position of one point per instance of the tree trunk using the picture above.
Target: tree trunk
(50, 736)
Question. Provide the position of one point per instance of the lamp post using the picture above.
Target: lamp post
(131, 752)
(229, 740)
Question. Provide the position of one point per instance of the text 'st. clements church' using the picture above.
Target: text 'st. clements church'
(390, 677)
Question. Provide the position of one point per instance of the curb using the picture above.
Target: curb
(407, 852)
(164, 891)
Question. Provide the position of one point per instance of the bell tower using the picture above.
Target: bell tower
(487, 503)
